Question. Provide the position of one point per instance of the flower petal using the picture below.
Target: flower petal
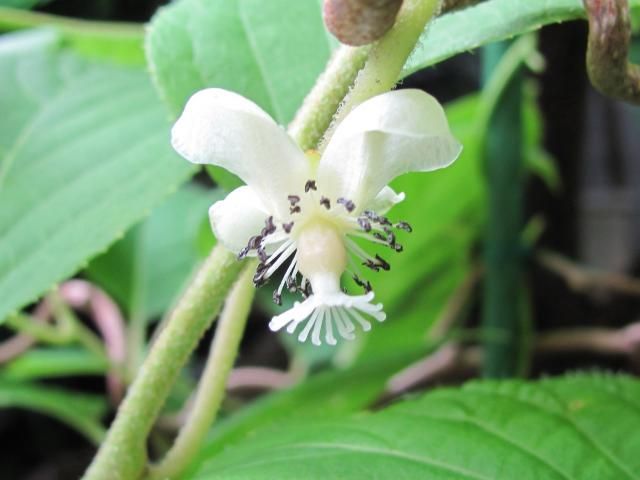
(386, 136)
(385, 200)
(223, 128)
(237, 218)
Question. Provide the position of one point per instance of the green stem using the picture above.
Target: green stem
(387, 57)
(502, 251)
(42, 332)
(17, 19)
(123, 454)
(212, 385)
(320, 105)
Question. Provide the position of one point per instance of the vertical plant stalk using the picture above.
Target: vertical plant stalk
(212, 384)
(608, 49)
(387, 57)
(502, 250)
(123, 456)
(320, 105)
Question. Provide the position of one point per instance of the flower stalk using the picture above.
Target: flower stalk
(123, 454)
(211, 388)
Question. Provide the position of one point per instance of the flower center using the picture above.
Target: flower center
(322, 256)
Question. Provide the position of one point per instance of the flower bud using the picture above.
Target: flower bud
(360, 22)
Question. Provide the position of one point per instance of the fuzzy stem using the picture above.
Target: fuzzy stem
(123, 454)
(212, 384)
(384, 65)
(316, 113)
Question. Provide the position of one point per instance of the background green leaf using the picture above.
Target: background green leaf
(80, 411)
(270, 52)
(488, 22)
(84, 155)
(147, 268)
(54, 362)
(582, 427)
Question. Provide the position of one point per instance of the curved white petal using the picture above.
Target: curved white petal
(237, 218)
(386, 136)
(385, 200)
(223, 128)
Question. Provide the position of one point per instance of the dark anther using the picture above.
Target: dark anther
(293, 199)
(383, 220)
(379, 236)
(287, 227)
(310, 185)
(277, 298)
(324, 201)
(254, 242)
(364, 224)
(404, 226)
(347, 204)
(305, 289)
(243, 253)
(269, 227)
(362, 283)
(397, 247)
(262, 255)
(372, 265)
(370, 215)
(258, 278)
(391, 238)
(291, 284)
(295, 209)
(382, 263)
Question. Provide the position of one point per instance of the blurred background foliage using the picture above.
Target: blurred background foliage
(90, 188)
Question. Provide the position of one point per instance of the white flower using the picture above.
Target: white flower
(306, 214)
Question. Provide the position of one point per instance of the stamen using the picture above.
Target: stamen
(364, 224)
(347, 204)
(277, 298)
(324, 201)
(293, 199)
(287, 227)
(404, 226)
(362, 283)
(383, 263)
(283, 258)
(310, 185)
(295, 209)
(259, 277)
(262, 254)
(269, 227)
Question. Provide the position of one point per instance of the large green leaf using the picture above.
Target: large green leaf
(270, 52)
(326, 395)
(488, 22)
(147, 268)
(583, 428)
(84, 154)
(80, 411)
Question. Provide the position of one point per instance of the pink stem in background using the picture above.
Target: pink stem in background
(106, 316)
(258, 378)
(20, 343)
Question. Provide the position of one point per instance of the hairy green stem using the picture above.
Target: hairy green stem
(387, 57)
(315, 115)
(123, 454)
(502, 250)
(212, 384)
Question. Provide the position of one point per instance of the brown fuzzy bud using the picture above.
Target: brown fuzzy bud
(360, 22)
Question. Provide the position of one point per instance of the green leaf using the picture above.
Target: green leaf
(116, 42)
(489, 22)
(80, 411)
(326, 395)
(582, 427)
(22, 3)
(270, 52)
(147, 268)
(54, 362)
(84, 154)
